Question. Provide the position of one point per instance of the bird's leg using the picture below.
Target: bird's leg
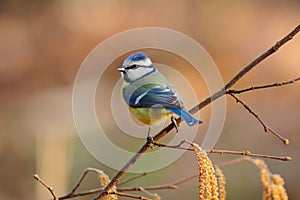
(173, 120)
(150, 138)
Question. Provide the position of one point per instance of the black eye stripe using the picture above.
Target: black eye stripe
(136, 66)
(132, 67)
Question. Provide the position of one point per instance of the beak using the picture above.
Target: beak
(121, 69)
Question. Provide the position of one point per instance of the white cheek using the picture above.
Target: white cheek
(134, 74)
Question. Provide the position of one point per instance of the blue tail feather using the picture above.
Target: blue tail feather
(186, 116)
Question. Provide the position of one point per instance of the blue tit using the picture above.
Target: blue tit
(149, 95)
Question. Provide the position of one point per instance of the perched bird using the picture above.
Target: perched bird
(149, 95)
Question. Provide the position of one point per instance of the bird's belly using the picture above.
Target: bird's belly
(150, 116)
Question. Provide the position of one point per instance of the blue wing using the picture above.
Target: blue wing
(165, 96)
(150, 95)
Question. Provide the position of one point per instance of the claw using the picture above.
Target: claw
(150, 140)
(173, 120)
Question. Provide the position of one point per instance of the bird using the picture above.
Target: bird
(149, 96)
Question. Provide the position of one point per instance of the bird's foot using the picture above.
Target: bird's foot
(150, 139)
(174, 122)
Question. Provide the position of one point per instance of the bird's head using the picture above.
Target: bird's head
(136, 66)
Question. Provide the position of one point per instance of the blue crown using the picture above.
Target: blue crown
(137, 56)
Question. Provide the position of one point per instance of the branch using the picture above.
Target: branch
(266, 128)
(80, 194)
(204, 103)
(85, 172)
(36, 177)
(230, 162)
(246, 69)
(160, 187)
(129, 195)
(120, 191)
(277, 84)
(242, 153)
(153, 195)
(248, 153)
(132, 179)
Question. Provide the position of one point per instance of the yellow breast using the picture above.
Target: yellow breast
(150, 116)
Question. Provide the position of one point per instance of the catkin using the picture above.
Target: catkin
(104, 180)
(208, 186)
(222, 182)
(279, 182)
(273, 184)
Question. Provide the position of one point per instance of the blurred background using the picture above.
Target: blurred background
(43, 43)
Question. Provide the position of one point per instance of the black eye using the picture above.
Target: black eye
(131, 67)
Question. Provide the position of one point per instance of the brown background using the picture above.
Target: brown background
(42, 44)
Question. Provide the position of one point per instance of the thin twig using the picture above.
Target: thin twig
(79, 194)
(230, 162)
(204, 103)
(85, 172)
(160, 187)
(277, 84)
(184, 180)
(246, 69)
(132, 179)
(93, 191)
(266, 128)
(121, 173)
(243, 153)
(153, 195)
(128, 195)
(177, 146)
(248, 153)
(49, 188)
(172, 185)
